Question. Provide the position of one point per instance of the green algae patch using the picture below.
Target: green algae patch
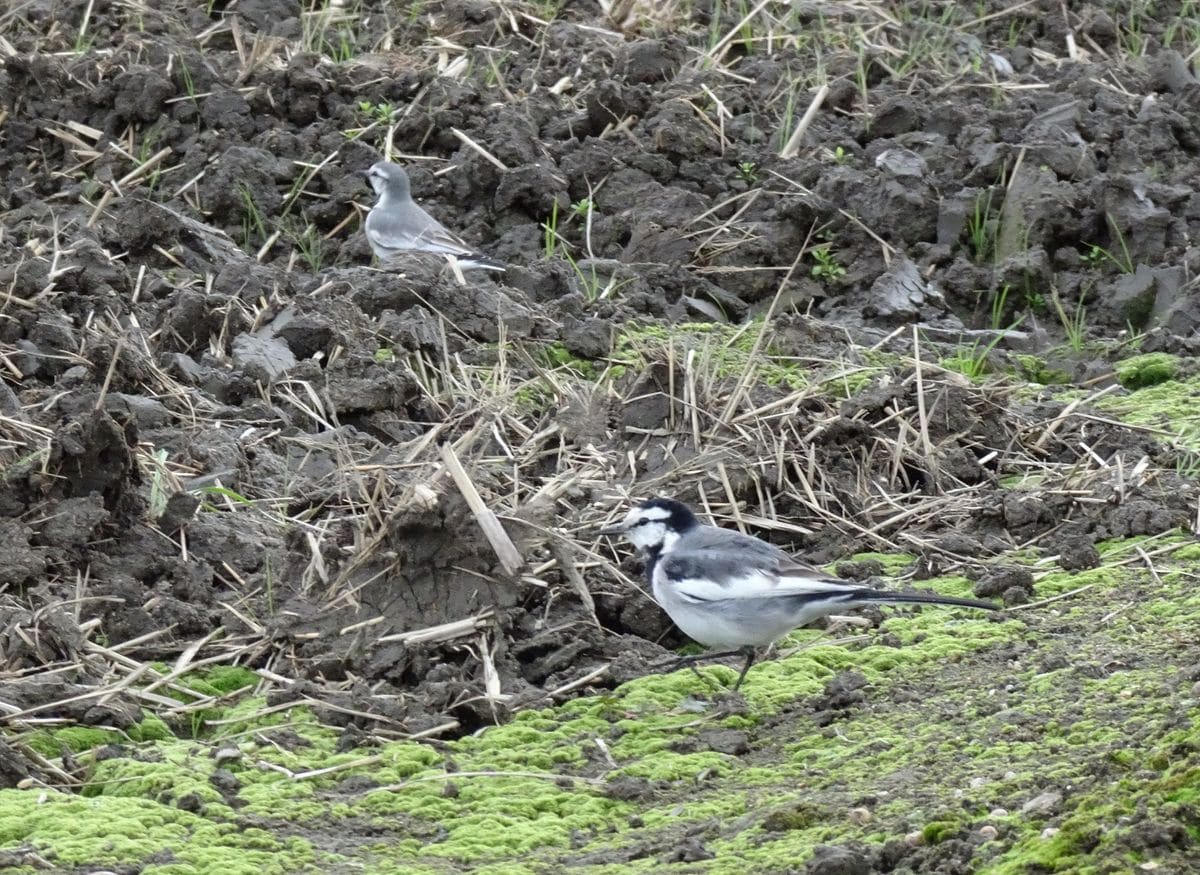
(77, 739)
(556, 355)
(1058, 582)
(74, 831)
(892, 563)
(1037, 370)
(152, 728)
(1169, 406)
(52, 742)
(950, 704)
(1150, 369)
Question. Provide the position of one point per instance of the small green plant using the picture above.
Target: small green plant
(548, 10)
(787, 122)
(982, 226)
(83, 39)
(1074, 323)
(999, 300)
(827, 267)
(252, 219)
(971, 361)
(385, 355)
(376, 112)
(185, 76)
(748, 170)
(714, 28)
(589, 282)
(581, 208)
(145, 152)
(1187, 464)
(307, 241)
(550, 231)
(413, 11)
(1097, 254)
(1134, 338)
(746, 31)
(1130, 36)
(839, 155)
(494, 74)
(224, 492)
(328, 29)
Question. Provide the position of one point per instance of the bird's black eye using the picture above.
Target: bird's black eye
(641, 522)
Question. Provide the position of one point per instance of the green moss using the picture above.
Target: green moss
(893, 563)
(556, 355)
(940, 830)
(73, 831)
(961, 698)
(1037, 370)
(1148, 369)
(226, 678)
(152, 728)
(52, 742)
(800, 816)
(1170, 406)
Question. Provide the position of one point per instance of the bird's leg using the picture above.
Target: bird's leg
(690, 661)
(748, 652)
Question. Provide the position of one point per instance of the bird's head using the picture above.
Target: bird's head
(655, 525)
(387, 178)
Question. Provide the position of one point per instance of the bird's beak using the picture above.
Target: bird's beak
(365, 174)
(611, 531)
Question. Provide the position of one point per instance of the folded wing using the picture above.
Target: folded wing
(707, 576)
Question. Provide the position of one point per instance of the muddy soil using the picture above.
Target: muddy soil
(221, 426)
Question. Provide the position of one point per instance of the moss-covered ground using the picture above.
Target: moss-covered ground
(957, 727)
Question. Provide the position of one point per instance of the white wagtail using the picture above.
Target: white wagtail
(733, 591)
(397, 224)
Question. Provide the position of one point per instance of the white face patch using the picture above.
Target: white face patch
(646, 528)
(377, 179)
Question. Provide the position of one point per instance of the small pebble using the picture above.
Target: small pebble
(860, 816)
(225, 754)
(913, 839)
(988, 832)
(1050, 832)
(978, 782)
(998, 812)
(1043, 804)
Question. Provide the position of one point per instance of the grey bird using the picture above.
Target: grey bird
(397, 224)
(736, 592)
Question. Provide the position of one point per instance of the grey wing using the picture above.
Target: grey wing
(714, 538)
(432, 236)
(710, 563)
(410, 227)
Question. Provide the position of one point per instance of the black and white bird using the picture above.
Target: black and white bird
(398, 224)
(735, 592)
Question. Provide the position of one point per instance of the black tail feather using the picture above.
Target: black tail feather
(883, 596)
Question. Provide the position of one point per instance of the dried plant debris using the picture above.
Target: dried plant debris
(916, 281)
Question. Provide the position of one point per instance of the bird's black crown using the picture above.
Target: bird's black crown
(681, 517)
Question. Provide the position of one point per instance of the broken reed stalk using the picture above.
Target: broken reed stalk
(792, 146)
(505, 550)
